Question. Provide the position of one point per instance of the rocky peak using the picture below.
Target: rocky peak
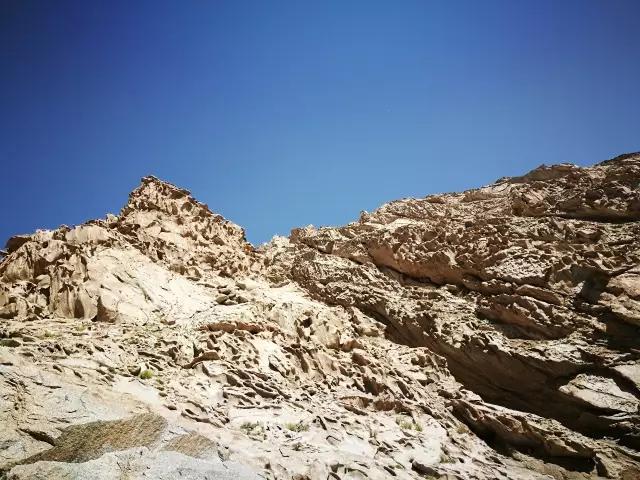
(173, 227)
(155, 195)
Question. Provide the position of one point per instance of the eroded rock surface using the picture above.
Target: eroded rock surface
(487, 334)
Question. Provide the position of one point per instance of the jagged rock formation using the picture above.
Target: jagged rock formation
(487, 334)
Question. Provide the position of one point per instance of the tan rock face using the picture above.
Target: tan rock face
(487, 334)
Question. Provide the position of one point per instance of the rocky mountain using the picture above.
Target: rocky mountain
(493, 333)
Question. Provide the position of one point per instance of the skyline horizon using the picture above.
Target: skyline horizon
(287, 234)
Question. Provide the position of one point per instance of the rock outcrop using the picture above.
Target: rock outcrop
(487, 334)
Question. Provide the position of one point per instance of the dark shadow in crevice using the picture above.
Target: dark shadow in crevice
(573, 464)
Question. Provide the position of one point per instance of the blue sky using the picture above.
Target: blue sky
(281, 114)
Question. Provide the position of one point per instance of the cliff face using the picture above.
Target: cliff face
(489, 334)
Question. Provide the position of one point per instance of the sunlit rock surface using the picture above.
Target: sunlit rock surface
(493, 333)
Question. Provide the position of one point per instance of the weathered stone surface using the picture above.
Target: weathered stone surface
(487, 334)
(88, 441)
(599, 392)
(135, 464)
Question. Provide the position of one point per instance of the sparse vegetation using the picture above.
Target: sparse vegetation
(462, 428)
(408, 424)
(444, 458)
(146, 374)
(253, 429)
(297, 427)
(248, 426)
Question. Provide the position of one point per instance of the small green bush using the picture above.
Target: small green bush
(408, 424)
(248, 426)
(253, 429)
(146, 374)
(297, 427)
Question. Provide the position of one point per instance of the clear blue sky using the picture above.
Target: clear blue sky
(280, 114)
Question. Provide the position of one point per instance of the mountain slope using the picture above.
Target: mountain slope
(487, 334)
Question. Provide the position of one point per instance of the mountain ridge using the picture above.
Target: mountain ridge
(490, 333)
